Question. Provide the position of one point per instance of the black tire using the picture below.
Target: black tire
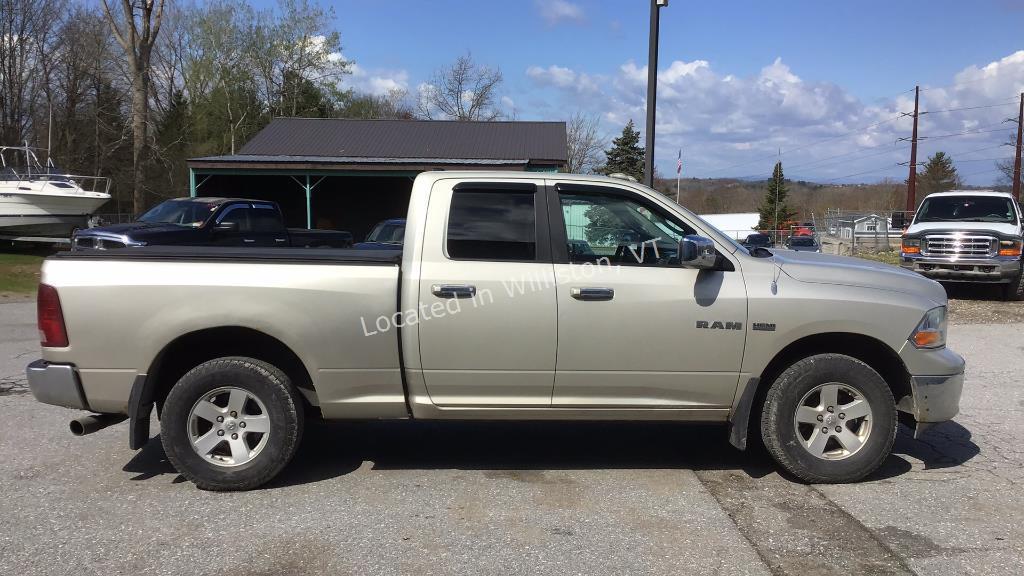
(268, 383)
(778, 428)
(1014, 291)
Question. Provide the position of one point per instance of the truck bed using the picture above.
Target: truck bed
(122, 307)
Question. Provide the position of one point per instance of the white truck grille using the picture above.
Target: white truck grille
(959, 245)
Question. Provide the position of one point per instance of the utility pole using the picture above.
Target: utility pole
(652, 90)
(912, 178)
(1016, 157)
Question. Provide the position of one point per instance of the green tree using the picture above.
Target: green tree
(938, 175)
(625, 156)
(773, 207)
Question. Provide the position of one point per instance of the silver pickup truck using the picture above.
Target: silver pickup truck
(515, 297)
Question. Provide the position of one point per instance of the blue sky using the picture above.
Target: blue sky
(737, 80)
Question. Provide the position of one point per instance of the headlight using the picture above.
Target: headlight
(911, 246)
(931, 332)
(1009, 247)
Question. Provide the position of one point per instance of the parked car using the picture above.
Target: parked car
(208, 222)
(488, 315)
(967, 236)
(803, 244)
(757, 241)
(387, 235)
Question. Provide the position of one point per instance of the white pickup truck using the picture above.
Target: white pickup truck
(967, 236)
(516, 297)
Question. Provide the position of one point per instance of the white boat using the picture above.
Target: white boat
(38, 200)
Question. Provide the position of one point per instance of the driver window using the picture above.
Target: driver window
(618, 230)
(239, 214)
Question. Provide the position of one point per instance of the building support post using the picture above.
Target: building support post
(192, 182)
(309, 204)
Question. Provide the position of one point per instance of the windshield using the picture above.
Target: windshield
(387, 233)
(802, 241)
(181, 212)
(967, 209)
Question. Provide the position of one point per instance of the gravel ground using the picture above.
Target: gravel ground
(510, 498)
(981, 304)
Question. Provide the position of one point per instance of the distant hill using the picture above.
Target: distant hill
(724, 195)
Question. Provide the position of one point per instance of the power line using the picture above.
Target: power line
(964, 133)
(983, 159)
(1007, 103)
(890, 167)
(829, 139)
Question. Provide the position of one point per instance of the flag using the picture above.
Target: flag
(679, 163)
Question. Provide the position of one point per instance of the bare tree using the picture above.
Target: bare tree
(584, 143)
(463, 91)
(26, 59)
(137, 32)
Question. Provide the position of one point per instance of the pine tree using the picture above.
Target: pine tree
(774, 207)
(625, 156)
(938, 175)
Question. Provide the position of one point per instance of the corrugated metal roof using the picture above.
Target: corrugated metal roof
(358, 160)
(409, 139)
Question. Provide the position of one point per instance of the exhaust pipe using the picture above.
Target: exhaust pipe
(94, 423)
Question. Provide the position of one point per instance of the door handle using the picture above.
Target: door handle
(280, 240)
(248, 240)
(592, 293)
(453, 290)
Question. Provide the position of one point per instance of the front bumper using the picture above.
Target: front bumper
(935, 391)
(997, 269)
(56, 384)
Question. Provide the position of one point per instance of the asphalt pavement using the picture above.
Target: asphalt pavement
(509, 498)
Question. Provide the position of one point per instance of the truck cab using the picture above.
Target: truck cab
(208, 222)
(967, 236)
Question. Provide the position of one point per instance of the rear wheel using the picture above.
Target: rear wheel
(829, 418)
(231, 423)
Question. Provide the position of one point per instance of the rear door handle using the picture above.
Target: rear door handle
(248, 240)
(453, 290)
(592, 293)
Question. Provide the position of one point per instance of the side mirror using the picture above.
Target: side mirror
(697, 252)
(226, 227)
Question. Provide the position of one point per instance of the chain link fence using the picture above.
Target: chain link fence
(848, 233)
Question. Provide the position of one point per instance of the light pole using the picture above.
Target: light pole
(652, 90)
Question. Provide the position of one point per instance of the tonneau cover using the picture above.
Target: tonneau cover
(241, 254)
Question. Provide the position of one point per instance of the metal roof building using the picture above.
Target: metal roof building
(347, 173)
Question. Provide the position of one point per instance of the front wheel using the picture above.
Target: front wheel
(829, 418)
(231, 423)
(1015, 289)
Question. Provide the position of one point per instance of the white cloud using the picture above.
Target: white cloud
(557, 11)
(563, 78)
(376, 81)
(723, 120)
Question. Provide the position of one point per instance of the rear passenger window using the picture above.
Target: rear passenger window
(492, 225)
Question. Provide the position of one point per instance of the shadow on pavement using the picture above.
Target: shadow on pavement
(336, 449)
(968, 291)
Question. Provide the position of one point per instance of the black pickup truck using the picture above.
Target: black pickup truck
(209, 222)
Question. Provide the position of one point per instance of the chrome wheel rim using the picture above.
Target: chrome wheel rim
(833, 421)
(228, 426)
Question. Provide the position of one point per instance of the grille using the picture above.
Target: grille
(957, 245)
(81, 243)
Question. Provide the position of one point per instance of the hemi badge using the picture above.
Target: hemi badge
(763, 326)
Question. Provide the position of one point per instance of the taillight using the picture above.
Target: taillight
(51, 320)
